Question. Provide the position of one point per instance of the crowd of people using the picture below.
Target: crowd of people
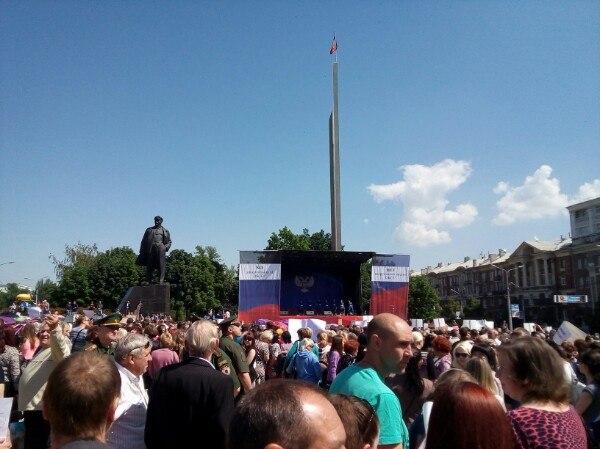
(135, 383)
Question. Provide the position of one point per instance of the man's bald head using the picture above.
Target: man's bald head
(288, 414)
(389, 340)
(386, 324)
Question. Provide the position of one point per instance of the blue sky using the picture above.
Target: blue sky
(214, 115)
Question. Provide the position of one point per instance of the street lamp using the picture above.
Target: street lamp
(510, 323)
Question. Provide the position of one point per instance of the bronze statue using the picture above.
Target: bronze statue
(153, 250)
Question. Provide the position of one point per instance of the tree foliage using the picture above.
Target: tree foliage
(285, 238)
(423, 300)
(199, 281)
(9, 293)
(473, 308)
(86, 275)
(365, 285)
(450, 308)
(45, 289)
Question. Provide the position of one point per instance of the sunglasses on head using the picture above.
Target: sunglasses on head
(461, 354)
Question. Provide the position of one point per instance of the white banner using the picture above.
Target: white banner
(568, 332)
(260, 272)
(439, 323)
(316, 325)
(381, 273)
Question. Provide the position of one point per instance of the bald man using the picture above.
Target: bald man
(388, 351)
(286, 414)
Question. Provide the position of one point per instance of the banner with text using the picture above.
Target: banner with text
(260, 285)
(390, 275)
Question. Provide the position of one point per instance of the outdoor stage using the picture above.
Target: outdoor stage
(326, 285)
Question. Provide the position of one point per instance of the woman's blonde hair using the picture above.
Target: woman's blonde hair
(266, 336)
(480, 369)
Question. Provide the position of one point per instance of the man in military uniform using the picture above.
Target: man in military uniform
(153, 249)
(231, 328)
(223, 363)
(105, 330)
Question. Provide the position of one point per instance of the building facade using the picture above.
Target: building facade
(536, 271)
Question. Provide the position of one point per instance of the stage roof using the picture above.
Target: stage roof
(323, 256)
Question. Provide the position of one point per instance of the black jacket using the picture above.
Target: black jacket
(190, 406)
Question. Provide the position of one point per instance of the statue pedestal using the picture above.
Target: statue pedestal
(154, 298)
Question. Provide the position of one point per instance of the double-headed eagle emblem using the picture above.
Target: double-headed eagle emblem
(304, 282)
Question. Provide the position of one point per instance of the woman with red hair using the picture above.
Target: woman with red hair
(466, 416)
(442, 349)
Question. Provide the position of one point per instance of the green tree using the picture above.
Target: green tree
(285, 238)
(80, 254)
(423, 300)
(365, 285)
(45, 289)
(9, 293)
(74, 274)
(113, 272)
(450, 308)
(473, 308)
(192, 279)
(86, 275)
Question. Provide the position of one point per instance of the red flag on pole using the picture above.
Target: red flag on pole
(333, 48)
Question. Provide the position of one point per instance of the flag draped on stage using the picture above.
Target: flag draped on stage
(260, 286)
(390, 275)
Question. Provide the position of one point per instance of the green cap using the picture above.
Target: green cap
(113, 320)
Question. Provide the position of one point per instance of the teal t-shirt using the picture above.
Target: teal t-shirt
(365, 383)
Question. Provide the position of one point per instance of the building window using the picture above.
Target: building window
(581, 230)
(561, 264)
(581, 282)
(580, 214)
(563, 281)
(580, 264)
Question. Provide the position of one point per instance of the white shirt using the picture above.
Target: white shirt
(127, 431)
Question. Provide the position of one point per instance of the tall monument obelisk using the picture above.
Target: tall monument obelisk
(334, 161)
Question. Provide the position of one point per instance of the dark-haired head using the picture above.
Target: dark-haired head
(337, 344)
(286, 337)
(589, 363)
(486, 351)
(359, 419)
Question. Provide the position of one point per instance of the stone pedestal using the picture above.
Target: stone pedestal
(154, 299)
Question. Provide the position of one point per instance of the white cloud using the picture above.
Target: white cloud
(419, 234)
(538, 197)
(423, 192)
(587, 191)
(501, 187)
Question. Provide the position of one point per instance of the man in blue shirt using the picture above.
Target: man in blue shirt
(388, 350)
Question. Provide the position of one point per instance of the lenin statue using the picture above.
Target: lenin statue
(153, 249)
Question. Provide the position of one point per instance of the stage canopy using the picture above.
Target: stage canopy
(275, 284)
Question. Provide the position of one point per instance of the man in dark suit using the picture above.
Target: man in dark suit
(191, 403)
